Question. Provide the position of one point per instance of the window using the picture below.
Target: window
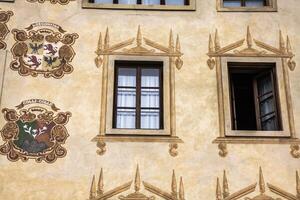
(254, 100)
(247, 5)
(138, 95)
(7, 0)
(141, 4)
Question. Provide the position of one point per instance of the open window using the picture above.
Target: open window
(138, 94)
(141, 4)
(254, 97)
(247, 5)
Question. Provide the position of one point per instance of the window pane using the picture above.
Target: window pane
(104, 1)
(267, 107)
(255, 3)
(150, 77)
(127, 1)
(174, 2)
(151, 2)
(125, 118)
(264, 85)
(126, 97)
(232, 3)
(269, 125)
(127, 77)
(150, 98)
(149, 119)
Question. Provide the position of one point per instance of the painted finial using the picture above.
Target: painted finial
(288, 45)
(171, 41)
(139, 36)
(225, 186)
(100, 190)
(100, 45)
(210, 44)
(106, 39)
(262, 187)
(178, 47)
(281, 42)
(218, 191)
(181, 189)
(217, 41)
(174, 185)
(93, 189)
(249, 37)
(137, 181)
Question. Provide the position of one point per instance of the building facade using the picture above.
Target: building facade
(149, 99)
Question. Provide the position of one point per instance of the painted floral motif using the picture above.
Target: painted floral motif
(4, 18)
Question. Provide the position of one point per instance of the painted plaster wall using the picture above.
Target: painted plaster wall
(196, 104)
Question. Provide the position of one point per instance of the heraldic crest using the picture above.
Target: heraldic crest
(34, 132)
(43, 48)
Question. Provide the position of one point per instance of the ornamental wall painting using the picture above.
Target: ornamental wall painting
(4, 18)
(62, 2)
(34, 130)
(43, 48)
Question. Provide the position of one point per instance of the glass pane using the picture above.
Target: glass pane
(264, 85)
(151, 2)
(126, 97)
(150, 98)
(104, 1)
(269, 125)
(127, 1)
(232, 3)
(127, 77)
(125, 118)
(174, 2)
(255, 3)
(267, 107)
(150, 77)
(149, 119)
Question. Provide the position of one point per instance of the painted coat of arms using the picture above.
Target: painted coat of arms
(4, 18)
(42, 50)
(34, 132)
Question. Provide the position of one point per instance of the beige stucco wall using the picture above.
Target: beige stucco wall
(196, 104)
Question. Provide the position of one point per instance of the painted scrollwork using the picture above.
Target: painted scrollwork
(62, 2)
(34, 133)
(4, 18)
(43, 51)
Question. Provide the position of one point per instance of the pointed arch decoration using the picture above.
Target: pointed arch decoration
(137, 47)
(252, 48)
(223, 193)
(4, 18)
(97, 191)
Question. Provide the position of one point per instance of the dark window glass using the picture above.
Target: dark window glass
(138, 95)
(254, 100)
(144, 2)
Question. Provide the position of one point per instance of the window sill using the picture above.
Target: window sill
(223, 141)
(247, 9)
(191, 7)
(172, 140)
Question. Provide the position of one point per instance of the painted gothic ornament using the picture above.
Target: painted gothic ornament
(62, 2)
(33, 131)
(43, 48)
(150, 192)
(4, 18)
(224, 193)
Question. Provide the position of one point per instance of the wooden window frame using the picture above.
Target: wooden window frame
(270, 7)
(190, 7)
(269, 68)
(283, 107)
(139, 65)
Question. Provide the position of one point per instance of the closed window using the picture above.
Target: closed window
(254, 97)
(245, 3)
(138, 95)
(144, 2)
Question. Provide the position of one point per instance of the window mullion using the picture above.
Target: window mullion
(243, 3)
(138, 98)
